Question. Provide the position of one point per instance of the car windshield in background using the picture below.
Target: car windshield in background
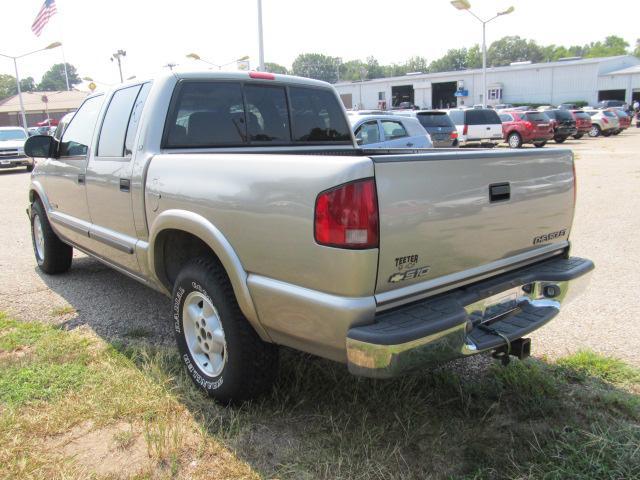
(434, 119)
(8, 135)
(214, 114)
(537, 117)
(481, 117)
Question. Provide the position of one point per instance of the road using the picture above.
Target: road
(606, 229)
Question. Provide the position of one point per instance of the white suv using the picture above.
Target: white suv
(477, 125)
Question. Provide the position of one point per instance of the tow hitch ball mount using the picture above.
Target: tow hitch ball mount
(520, 349)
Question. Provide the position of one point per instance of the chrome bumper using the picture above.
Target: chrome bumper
(466, 321)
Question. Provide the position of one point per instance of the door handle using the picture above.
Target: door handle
(125, 185)
(409, 144)
(81, 178)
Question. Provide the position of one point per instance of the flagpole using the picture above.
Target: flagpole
(64, 60)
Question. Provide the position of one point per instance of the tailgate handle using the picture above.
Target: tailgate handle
(499, 192)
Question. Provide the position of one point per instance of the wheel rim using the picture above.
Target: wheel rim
(204, 334)
(593, 132)
(38, 237)
(514, 141)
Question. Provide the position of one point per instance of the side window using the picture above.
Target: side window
(267, 114)
(116, 120)
(368, 133)
(207, 114)
(134, 120)
(317, 116)
(393, 130)
(77, 137)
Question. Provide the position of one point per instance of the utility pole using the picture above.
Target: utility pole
(260, 38)
(118, 58)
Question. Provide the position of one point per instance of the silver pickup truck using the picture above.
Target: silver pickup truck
(244, 197)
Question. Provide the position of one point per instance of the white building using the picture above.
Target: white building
(589, 80)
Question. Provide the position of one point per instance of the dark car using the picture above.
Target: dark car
(624, 118)
(441, 129)
(611, 103)
(526, 127)
(564, 125)
(583, 123)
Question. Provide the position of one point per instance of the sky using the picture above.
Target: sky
(155, 33)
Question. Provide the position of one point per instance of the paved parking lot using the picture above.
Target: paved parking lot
(606, 229)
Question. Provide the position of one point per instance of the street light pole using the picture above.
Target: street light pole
(118, 56)
(195, 56)
(15, 66)
(465, 5)
(260, 38)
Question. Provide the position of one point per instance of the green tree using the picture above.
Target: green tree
(275, 68)
(513, 49)
(27, 84)
(374, 69)
(54, 78)
(612, 45)
(7, 86)
(636, 52)
(417, 64)
(316, 65)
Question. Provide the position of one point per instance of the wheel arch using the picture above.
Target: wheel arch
(198, 236)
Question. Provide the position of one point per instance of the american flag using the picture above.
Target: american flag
(47, 11)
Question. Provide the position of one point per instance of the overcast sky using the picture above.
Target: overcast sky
(157, 32)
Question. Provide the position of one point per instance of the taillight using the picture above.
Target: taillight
(604, 120)
(347, 216)
(453, 135)
(465, 129)
(528, 125)
(262, 75)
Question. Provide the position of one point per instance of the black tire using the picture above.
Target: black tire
(617, 132)
(53, 255)
(539, 144)
(607, 133)
(30, 168)
(578, 136)
(514, 140)
(249, 365)
(595, 131)
(559, 139)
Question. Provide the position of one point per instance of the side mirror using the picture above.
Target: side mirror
(40, 146)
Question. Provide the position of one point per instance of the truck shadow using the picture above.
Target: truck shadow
(472, 419)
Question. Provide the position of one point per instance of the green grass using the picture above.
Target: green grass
(578, 417)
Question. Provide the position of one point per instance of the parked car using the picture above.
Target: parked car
(624, 120)
(601, 124)
(503, 106)
(12, 154)
(244, 197)
(568, 106)
(583, 123)
(564, 125)
(477, 126)
(385, 131)
(611, 103)
(441, 129)
(519, 128)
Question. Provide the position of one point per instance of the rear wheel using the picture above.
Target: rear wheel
(559, 139)
(578, 136)
(52, 254)
(607, 133)
(514, 140)
(539, 144)
(595, 131)
(617, 132)
(221, 351)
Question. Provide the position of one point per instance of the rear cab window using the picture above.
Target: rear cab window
(235, 114)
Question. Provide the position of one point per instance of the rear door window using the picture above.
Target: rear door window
(434, 119)
(368, 133)
(77, 137)
(116, 121)
(393, 130)
(134, 120)
(316, 116)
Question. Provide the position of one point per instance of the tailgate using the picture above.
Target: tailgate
(438, 224)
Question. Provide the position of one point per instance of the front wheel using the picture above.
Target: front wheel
(595, 131)
(514, 140)
(539, 144)
(52, 254)
(220, 350)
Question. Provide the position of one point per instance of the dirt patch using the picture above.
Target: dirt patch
(116, 450)
(18, 353)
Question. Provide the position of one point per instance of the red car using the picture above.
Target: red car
(519, 128)
(625, 120)
(583, 123)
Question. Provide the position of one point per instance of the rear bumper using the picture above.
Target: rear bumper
(466, 321)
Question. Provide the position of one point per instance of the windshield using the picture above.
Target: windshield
(563, 115)
(435, 119)
(6, 135)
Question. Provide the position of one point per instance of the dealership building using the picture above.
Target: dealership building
(568, 80)
(39, 106)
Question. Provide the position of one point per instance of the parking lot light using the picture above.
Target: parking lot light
(195, 56)
(465, 5)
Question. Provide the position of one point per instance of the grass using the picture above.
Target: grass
(65, 395)
(62, 311)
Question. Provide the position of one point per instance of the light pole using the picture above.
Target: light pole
(195, 56)
(260, 38)
(15, 66)
(465, 5)
(118, 58)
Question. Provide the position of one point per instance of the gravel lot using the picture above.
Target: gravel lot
(606, 229)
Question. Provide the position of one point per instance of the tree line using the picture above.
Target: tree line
(502, 52)
(53, 80)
